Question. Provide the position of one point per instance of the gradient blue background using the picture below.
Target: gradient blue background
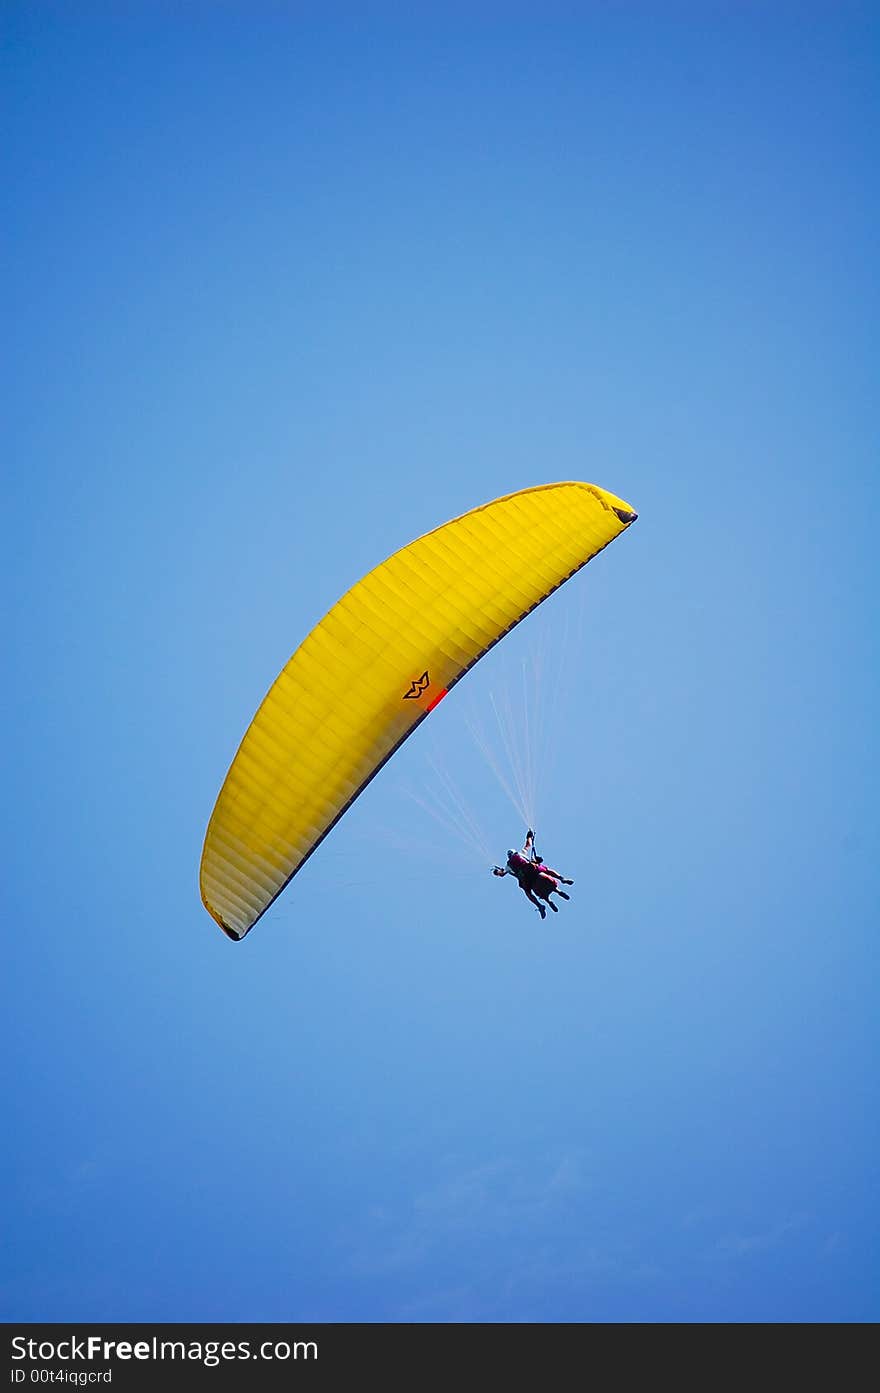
(289, 285)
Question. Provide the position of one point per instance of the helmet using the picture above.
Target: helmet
(510, 855)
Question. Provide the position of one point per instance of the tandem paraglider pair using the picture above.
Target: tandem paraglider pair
(534, 877)
(373, 669)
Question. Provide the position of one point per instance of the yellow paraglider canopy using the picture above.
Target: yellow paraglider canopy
(372, 670)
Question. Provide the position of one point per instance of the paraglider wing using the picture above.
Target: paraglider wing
(373, 668)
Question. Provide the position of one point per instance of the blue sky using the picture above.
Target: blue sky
(288, 286)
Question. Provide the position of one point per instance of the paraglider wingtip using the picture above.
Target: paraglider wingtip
(231, 933)
(626, 515)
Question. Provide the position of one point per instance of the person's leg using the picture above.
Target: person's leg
(537, 903)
